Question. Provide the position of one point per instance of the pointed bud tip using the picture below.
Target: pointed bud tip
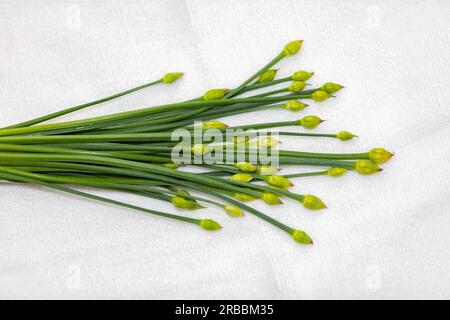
(301, 237)
(310, 122)
(380, 155)
(336, 172)
(271, 198)
(210, 225)
(172, 77)
(215, 94)
(292, 47)
(345, 135)
(331, 87)
(313, 202)
(234, 211)
(366, 167)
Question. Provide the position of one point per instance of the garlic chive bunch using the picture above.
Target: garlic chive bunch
(133, 151)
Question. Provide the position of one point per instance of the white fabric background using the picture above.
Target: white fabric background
(384, 236)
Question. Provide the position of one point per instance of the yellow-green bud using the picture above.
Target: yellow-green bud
(170, 165)
(209, 224)
(268, 142)
(380, 155)
(292, 47)
(331, 87)
(243, 197)
(301, 237)
(234, 211)
(245, 166)
(242, 177)
(366, 167)
(313, 203)
(301, 75)
(214, 125)
(268, 76)
(345, 135)
(320, 95)
(266, 169)
(183, 203)
(215, 94)
(279, 181)
(336, 172)
(172, 77)
(295, 105)
(309, 122)
(297, 86)
(200, 149)
(271, 198)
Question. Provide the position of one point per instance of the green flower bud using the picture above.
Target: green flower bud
(234, 211)
(320, 95)
(366, 167)
(214, 125)
(380, 155)
(297, 86)
(313, 203)
(310, 122)
(268, 142)
(301, 75)
(301, 237)
(266, 169)
(292, 47)
(336, 172)
(271, 198)
(183, 203)
(268, 76)
(200, 149)
(172, 77)
(294, 105)
(215, 94)
(345, 135)
(242, 177)
(331, 87)
(170, 165)
(245, 166)
(279, 181)
(209, 224)
(243, 197)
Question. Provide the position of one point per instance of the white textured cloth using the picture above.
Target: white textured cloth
(384, 236)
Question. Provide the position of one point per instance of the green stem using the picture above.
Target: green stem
(117, 154)
(80, 107)
(237, 90)
(253, 211)
(142, 112)
(267, 125)
(16, 175)
(306, 174)
(260, 85)
(315, 155)
(147, 167)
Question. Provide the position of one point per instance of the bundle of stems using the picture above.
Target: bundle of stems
(139, 151)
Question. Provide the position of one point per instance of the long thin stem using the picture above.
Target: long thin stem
(141, 112)
(16, 175)
(256, 75)
(80, 107)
